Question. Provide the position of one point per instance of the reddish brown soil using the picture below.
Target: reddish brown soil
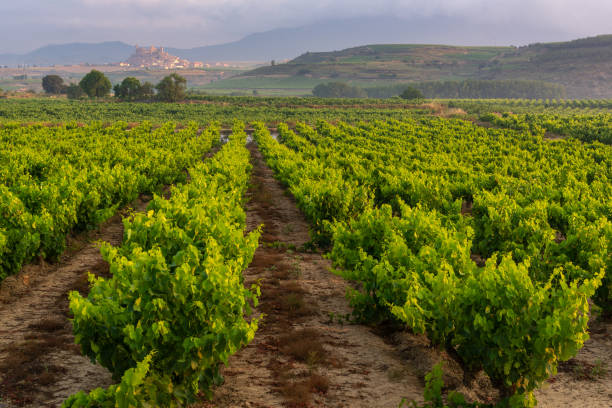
(39, 363)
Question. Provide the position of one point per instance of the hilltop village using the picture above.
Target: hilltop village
(157, 57)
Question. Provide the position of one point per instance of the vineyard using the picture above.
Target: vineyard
(444, 237)
(204, 110)
(225, 109)
(583, 127)
(174, 308)
(557, 106)
(247, 265)
(60, 179)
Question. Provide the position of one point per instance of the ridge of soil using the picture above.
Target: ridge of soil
(40, 364)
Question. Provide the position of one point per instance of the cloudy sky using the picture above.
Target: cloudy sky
(28, 24)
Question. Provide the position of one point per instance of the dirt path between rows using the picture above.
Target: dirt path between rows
(40, 365)
(585, 380)
(305, 353)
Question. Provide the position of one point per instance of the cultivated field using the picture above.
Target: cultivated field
(289, 252)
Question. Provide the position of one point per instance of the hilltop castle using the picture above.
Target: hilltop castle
(153, 57)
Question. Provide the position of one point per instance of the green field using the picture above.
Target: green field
(283, 86)
(205, 109)
(484, 230)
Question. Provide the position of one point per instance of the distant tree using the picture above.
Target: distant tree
(95, 84)
(411, 93)
(147, 91)
(53, 84)
(74, 91)
(273, 63)
(338, 90)
(171, 88)
(128, 89)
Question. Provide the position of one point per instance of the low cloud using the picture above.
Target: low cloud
(187, 23)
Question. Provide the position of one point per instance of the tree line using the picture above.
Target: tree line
(468, 89)
(95, 84)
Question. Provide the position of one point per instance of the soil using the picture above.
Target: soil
(40, 365)
(553, 136)
(585, 380)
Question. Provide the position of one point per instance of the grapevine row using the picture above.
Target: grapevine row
(546, 202)
(588, 128)
(54, 180)
(389, 198)
(175, 307)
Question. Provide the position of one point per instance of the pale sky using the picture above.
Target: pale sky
(28, 24)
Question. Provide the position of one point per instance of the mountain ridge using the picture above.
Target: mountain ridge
(71, 54)
(286, 43)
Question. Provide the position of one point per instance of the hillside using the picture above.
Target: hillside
(583, 66)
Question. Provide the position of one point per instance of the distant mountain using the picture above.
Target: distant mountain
(330, 35)
(286, 43)
(583, 66)
(10, 59)
(70, 54)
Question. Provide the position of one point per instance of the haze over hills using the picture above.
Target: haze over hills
(285, 43)
(72, 53)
